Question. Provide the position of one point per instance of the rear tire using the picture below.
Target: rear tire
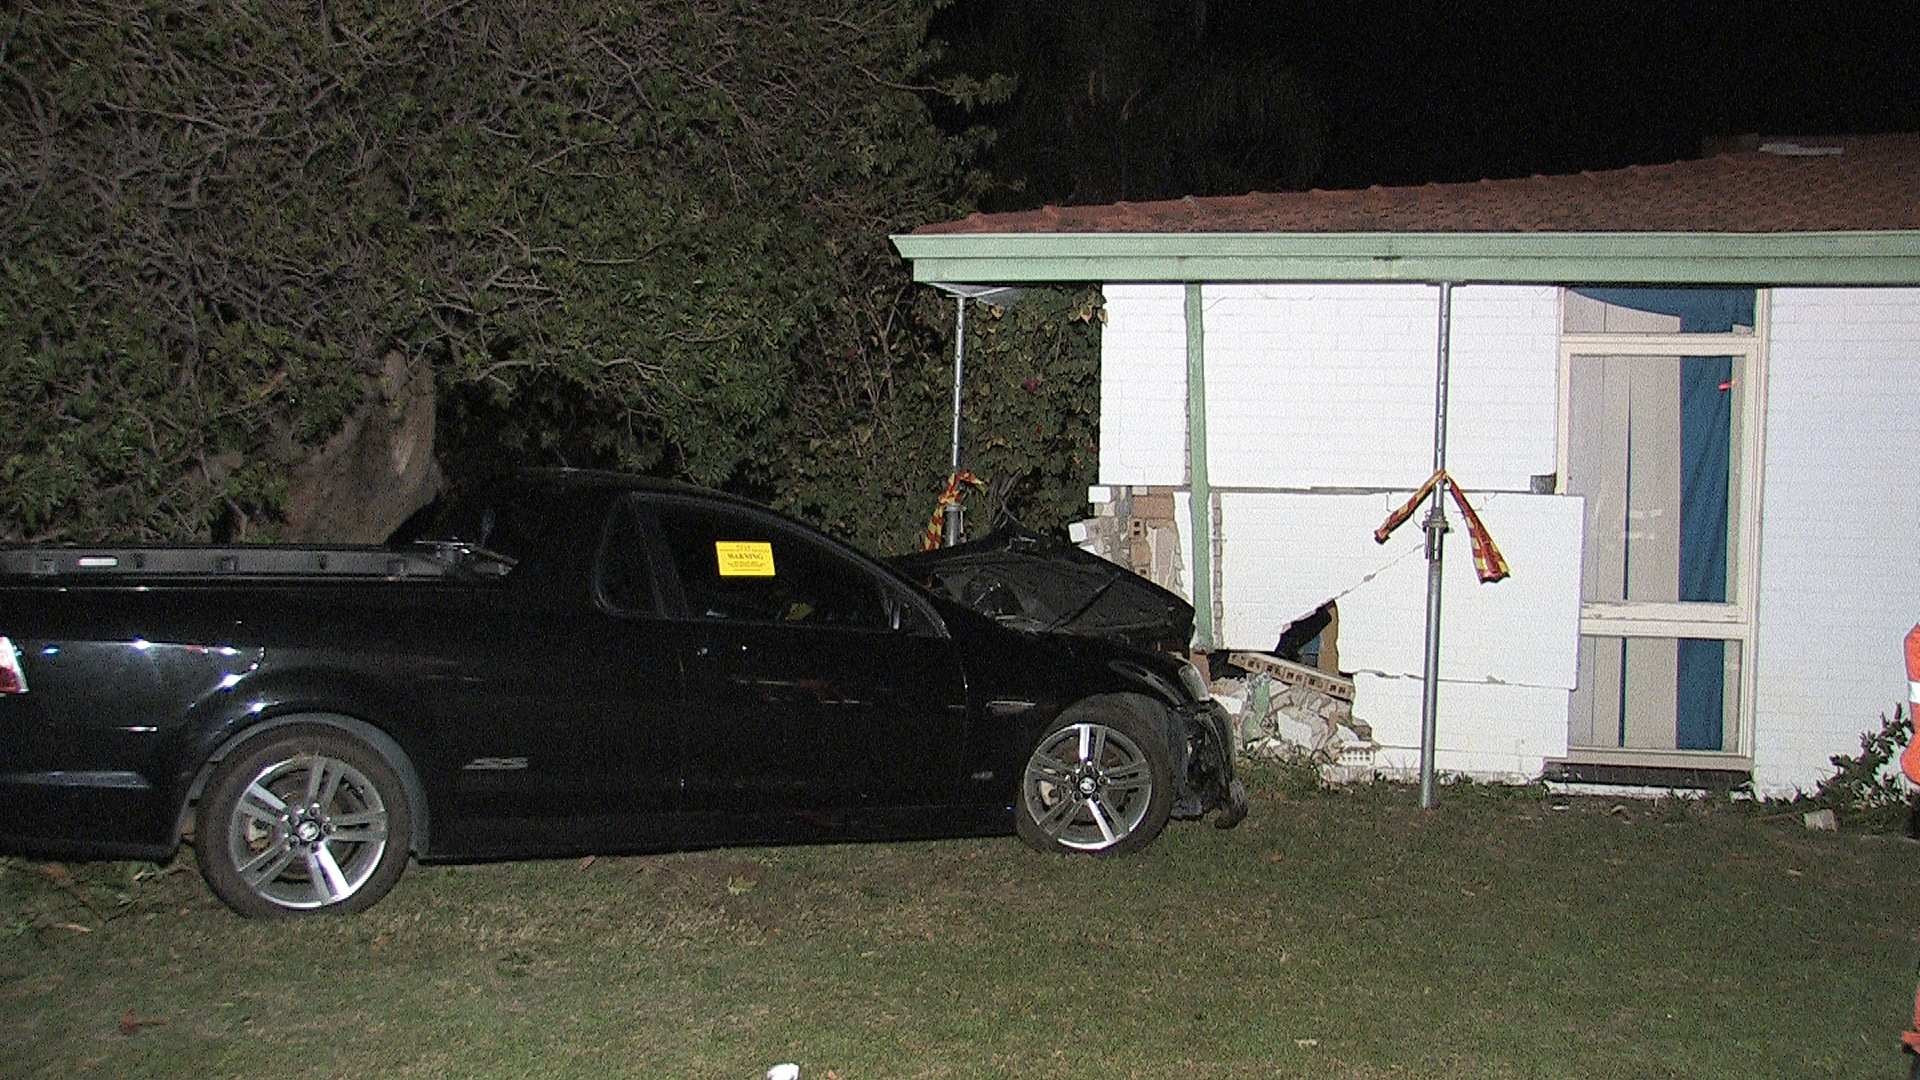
(1099, 782)
(302, 820)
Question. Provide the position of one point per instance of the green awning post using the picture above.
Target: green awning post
(1199, 492)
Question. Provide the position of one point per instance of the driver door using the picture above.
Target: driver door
(825, 687)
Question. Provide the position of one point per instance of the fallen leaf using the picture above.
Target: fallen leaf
(130, 1023)
(63, 880)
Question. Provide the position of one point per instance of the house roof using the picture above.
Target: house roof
(1834, 210)
(1840, 184)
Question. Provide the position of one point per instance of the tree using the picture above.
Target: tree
(615, 232)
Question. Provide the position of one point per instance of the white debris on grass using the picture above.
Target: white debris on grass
(1277, 720)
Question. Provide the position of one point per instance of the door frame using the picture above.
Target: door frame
(1736, 620)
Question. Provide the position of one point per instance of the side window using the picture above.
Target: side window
(739, 566)
(624, 580)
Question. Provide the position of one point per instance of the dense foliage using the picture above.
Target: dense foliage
(875, 434)
(649, 234)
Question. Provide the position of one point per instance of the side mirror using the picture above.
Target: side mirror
(907, 617)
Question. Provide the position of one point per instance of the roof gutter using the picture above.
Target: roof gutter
(1797, 258)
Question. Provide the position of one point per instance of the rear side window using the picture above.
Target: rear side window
(738, 566)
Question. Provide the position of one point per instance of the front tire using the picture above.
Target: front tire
(301, 820)
(1098, 782)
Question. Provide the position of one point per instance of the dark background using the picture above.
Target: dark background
(1126, 99)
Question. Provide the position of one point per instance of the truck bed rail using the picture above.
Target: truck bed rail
(237, 561)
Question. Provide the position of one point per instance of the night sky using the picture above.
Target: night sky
(1406, 94)
(1461, 93)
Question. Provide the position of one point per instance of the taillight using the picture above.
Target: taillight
(13, 677)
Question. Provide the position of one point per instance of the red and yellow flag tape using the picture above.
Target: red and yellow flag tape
(1488, 563)
(956, 491)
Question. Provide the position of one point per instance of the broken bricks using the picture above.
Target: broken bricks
(1283, 708)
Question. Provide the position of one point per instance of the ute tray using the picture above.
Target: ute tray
(236, 561)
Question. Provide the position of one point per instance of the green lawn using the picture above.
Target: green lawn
(1341, 935)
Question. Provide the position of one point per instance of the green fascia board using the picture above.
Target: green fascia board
(1799, 258)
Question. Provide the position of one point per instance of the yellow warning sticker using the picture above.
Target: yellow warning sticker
(744, 558)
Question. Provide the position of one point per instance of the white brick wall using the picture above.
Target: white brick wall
(1143, 385)
(1503, 409)
(1840, 563)
(1331, 385)
(1284, 554)
(1487, 729)
(1508, 650)
(1523, 631)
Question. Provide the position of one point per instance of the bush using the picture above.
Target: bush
(1868, 790)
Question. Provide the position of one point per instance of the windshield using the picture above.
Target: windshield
(1046, 596)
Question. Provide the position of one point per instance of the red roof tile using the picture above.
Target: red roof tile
(1787, 185)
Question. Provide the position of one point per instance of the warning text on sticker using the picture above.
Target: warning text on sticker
(744, 558)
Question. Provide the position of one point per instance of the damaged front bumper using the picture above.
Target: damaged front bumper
(1202, 742)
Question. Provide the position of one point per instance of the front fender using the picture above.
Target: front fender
(1207, 780)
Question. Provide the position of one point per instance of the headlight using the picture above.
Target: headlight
(1192, 683)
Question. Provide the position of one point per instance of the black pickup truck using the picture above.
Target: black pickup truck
(566, 662)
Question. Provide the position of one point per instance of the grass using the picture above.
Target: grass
(1340, 935)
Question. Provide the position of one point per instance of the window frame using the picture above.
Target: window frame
(651, 554)
(1736, 620)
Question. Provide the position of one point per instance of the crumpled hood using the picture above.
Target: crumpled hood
(1032, 582)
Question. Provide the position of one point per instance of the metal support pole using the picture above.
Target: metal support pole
(951, 533)
(1436, 525)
